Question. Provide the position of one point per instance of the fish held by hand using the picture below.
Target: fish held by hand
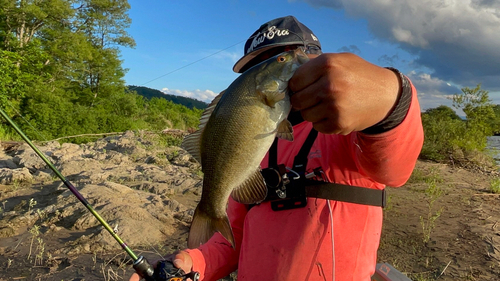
(235, 133)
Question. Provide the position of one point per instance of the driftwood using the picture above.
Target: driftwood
(486, 194)
(10, 145)
(174, 132)
(87, 135)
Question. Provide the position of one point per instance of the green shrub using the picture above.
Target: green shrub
(495, 185)
(450, 138)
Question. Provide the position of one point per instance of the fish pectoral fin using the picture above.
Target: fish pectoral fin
(192, 143)
(252, 190)
(204, 226)
(270, 92)
(285, 130)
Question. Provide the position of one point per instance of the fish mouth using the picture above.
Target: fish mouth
(301, 56)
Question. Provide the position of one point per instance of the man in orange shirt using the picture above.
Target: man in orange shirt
(357, 128)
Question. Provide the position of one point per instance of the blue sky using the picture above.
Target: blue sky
(189, 47)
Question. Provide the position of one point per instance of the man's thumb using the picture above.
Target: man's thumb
(178, 263)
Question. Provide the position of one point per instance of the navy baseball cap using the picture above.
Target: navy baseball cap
(277, 32)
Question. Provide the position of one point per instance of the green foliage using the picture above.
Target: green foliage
(447, 137)
(432, 192)
(440, 131)
(422, 176)
(162, 114)
(165, 140)
(54, 116)
(152, 93)
(21, 73)
(495, 122)
(495, 185)
(6, 133)
(61, 73)
(12, 86)
(479, 111)
(443, 112)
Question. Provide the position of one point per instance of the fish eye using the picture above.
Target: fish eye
(281, 59)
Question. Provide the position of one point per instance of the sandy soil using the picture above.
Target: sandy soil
(442, 225)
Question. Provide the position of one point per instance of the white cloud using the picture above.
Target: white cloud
(432, 91)
(202, 95)
(458, 39)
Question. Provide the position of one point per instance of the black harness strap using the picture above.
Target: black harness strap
(300, 160)
(346, 193)
(273, 155)
(319, 189)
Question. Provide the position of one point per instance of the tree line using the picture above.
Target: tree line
(61, 73)
(153, 93)
(450, 138)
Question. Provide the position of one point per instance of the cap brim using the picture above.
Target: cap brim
(245, 59)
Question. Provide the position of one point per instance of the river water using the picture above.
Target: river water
(494, 147)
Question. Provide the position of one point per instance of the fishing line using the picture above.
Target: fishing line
(28, 122)
(189, 64)
(213, 54)
(175, 70)
(333, 243)
(166, 74)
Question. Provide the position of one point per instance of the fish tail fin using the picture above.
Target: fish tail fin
(204, 226)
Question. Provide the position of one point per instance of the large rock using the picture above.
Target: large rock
(144, 192)
(25, 156)
(15, 176)
(138, 217)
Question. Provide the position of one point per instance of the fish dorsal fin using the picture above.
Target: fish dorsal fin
(252, 190)
(192, 143)
(285, 130)
(270, 92)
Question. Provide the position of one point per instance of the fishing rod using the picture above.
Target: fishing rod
(165, 271)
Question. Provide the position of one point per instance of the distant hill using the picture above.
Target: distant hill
(153, 93)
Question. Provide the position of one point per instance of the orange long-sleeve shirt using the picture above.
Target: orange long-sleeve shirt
(297, 244)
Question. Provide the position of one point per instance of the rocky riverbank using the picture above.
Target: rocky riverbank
(444, 224)
(145, 189)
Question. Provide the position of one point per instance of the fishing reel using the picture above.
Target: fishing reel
(164, 271)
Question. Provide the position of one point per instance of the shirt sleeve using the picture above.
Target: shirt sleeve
(216, 258)
(389, 157)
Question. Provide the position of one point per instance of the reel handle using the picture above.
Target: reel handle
(164, 271)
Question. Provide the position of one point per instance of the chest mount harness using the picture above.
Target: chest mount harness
(288, 188)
